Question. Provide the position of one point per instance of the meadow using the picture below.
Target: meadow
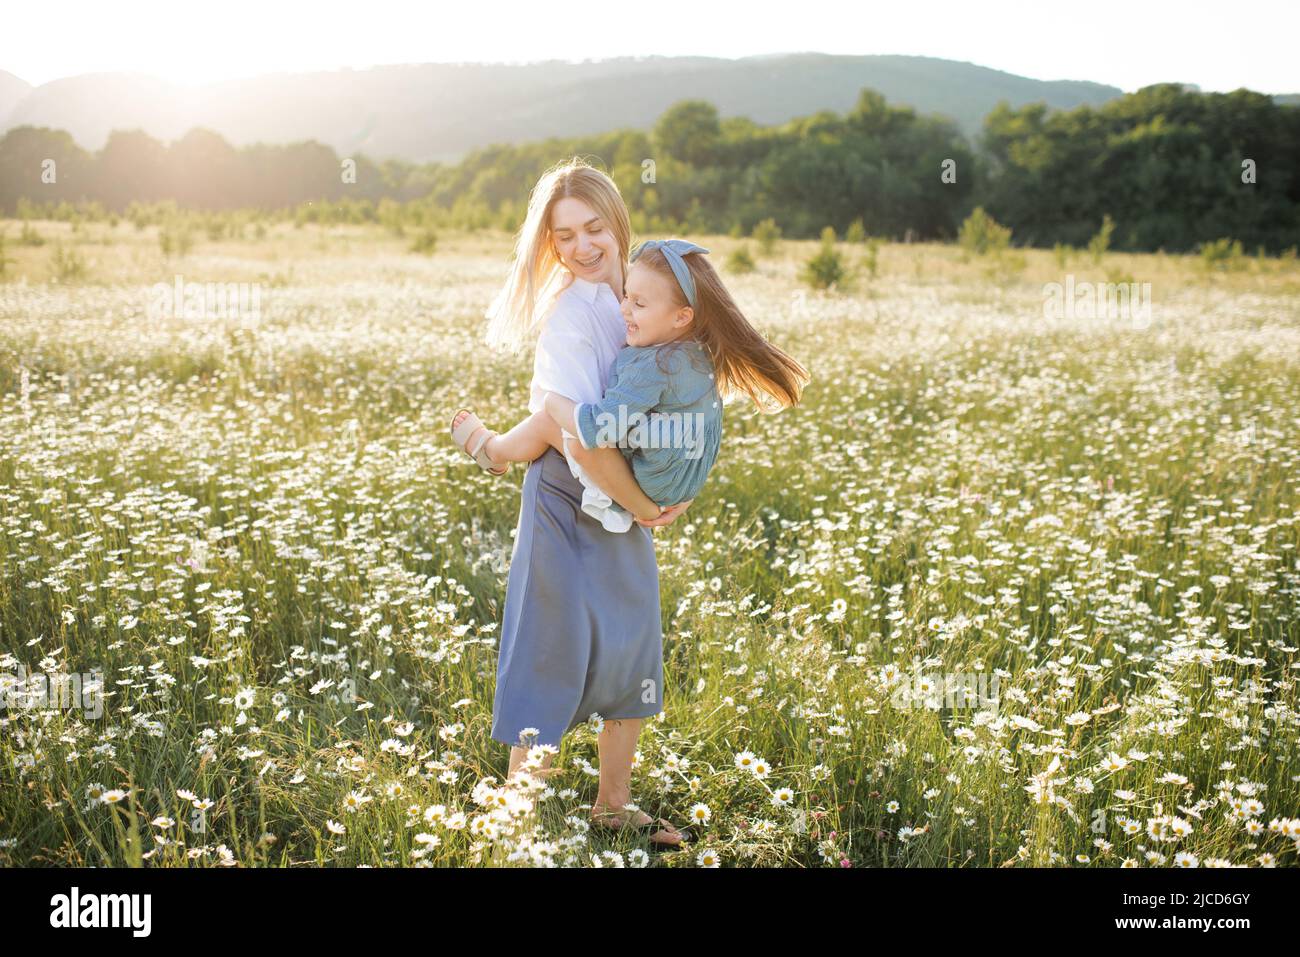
(1005, 589)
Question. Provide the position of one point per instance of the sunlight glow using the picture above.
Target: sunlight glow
(1109, 41)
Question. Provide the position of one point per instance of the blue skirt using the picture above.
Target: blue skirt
(581, 632)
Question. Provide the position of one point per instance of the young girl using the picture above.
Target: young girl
(687, 340)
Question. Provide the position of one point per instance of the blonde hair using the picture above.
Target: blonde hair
(536, 273)
(744, 363)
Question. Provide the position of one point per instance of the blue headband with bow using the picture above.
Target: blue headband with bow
(674, 250)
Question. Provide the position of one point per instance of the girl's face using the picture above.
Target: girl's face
(585, 243)
(650, 308)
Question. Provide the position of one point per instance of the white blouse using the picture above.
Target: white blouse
(582, 334)
(576, 348)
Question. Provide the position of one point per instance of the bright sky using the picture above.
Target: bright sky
(1125, 43)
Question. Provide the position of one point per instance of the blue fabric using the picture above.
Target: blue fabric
(674, 250)
(661, 407)
(581, 631)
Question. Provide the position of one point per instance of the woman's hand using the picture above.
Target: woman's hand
(668, 515)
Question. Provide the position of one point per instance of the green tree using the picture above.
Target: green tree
(689, 131)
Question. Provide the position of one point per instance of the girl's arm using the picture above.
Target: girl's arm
(668, 516)
(634, 391)
(560, 409)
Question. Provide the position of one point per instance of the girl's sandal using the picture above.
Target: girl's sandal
(460, 434)
(648, 828)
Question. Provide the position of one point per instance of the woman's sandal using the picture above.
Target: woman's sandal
(460, 434)
(650, 827)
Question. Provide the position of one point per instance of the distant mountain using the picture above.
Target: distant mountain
(12, 92)
(442, 111)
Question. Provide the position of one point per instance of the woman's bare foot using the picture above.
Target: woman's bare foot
(618, 820)
(497, 467)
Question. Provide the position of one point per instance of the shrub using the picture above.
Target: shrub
(1099, 243)
(871, 259)
(174, 237)
(766, 234)
(67, 265)
(425, 242)
(857, 232)
(982, 234)
(740, 261)
(826, 268)
(1223, 254)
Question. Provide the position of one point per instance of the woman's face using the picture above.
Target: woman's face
(586, 245)
(650, 308)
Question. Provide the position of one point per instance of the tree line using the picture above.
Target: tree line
(1173, 168)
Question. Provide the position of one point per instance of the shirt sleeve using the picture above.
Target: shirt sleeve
(637, 388)
(565, 362)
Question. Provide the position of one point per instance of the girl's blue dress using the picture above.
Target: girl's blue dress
(661, 407)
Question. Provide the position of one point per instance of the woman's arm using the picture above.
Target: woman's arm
(611, 472)
(565, 363)
(606, 465)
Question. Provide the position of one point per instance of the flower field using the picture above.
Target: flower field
(1005, 589)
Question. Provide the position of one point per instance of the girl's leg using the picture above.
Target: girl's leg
(525, 442)
(617, 745)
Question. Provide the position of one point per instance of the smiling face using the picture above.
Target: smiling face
(584, 242)
(652, 308)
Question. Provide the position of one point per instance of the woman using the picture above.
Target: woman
(581, 631)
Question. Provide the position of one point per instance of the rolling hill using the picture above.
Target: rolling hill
(442, 111)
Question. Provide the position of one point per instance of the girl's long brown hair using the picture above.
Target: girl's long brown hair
(744, 363)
